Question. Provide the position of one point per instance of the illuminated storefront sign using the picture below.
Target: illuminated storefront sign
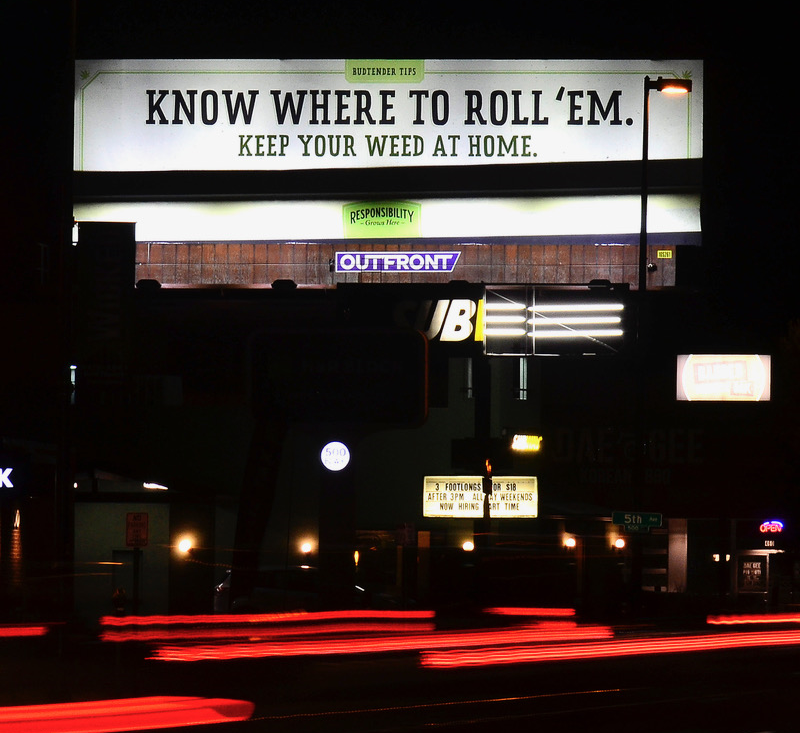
(524, 321)
(526, 443)
(463, 497)
(245, 115)
(396, 261)
(723, 377)
(772, 526)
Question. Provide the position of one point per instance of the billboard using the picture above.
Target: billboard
(289, 114)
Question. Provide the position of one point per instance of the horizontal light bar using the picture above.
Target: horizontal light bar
(574, 320)
(507, 306)
(506, 332)
(572, 307)
(505, 319)
(578, 333)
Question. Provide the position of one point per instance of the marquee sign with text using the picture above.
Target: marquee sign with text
(245, 115)
(512, 497)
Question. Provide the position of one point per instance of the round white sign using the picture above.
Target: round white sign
(335, 456)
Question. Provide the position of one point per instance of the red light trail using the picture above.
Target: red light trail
(23, 630)
(541, 612)
(598, 650)
(261, 618)
(554, 638)
(109, 716)
(259, 633)
(261, 627)
(762, 618)
(548, 631)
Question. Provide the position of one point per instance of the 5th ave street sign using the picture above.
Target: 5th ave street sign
(637, 521)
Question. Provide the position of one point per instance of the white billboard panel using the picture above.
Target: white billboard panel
(252, 115)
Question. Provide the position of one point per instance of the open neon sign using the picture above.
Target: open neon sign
(772, 525)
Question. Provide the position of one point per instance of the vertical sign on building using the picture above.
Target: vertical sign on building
(136, 529)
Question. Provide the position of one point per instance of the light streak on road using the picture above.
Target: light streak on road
(530, 634)
(599, 650)
(256, 627)
(127, 714)
(261, 618)
(762, 618)
(23, 630)
(529, 611)
(259, 633)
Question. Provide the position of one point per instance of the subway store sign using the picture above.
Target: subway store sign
(526, 321)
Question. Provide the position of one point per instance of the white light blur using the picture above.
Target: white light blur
(185, 544)
(154, 487)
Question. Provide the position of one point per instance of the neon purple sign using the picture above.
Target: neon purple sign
(396, 261)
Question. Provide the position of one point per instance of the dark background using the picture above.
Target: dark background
(747, 263)
(741, 280)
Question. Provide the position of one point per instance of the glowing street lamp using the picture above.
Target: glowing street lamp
(666, 86)
(185, 545)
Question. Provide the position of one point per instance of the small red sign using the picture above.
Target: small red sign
(136, 529)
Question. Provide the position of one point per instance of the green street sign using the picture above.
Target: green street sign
(637, 521)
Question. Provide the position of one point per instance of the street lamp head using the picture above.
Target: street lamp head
(668, 86)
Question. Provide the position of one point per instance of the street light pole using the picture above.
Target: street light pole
(669, 86)
(645, 183)
(673, 86)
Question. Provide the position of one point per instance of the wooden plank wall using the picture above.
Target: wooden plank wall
(259, 264)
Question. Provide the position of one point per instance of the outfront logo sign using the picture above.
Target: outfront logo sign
(396, 261)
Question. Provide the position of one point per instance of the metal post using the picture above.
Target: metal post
(645, 183)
